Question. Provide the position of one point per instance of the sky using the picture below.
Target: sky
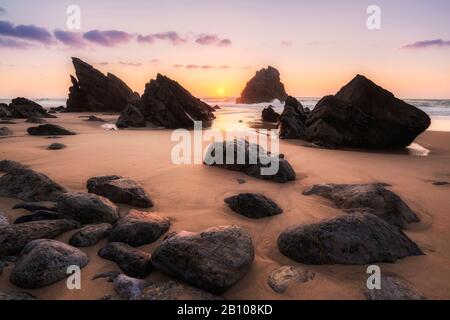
(214, 47)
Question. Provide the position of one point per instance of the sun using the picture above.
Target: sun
(220, 92)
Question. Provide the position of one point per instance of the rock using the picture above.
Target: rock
(256, 162)
(441, 183)
(22, 108)
(120, 190)
(4, 111)
(253, 205)
(172, 290)
(58, 109)
(36, 206)
(133, 262)
(93, 91)
(9, 166)
(280, 278)
(35, 120)
(269, 115)
(16, 296)
(216, 107)
(3, 219)
(292, 120)
(90, 235)
(39, 216)
(367, 198)
(49, 130)
(87, 208)
(393, 289)
(139, 228)
(95, 119)
(44, 262)
(213, 260)
(364, 115)
(352, 239)
(127, 287)
(131, 116)
(56, 146)
(5, 131)
(241, 181)
(265, 86)
(165, 103)
(29, 185)
(14, 237)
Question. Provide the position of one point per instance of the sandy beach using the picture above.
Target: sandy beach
(192, 196)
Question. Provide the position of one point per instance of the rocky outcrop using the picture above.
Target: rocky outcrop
(352, 239)
(87, 208)
(393, 289)
(172, 290)
(39, 215)
(131, 116)
(29, 185)
(44, 262)
(292, 120)
(253, 205)
(36, 206)
(139, 228)
(269, 115)
(120, 190)
(265, 86)
(90, 235)
(23, 108)
(213, 260)
(281, 278)
(367, 198)
(253, 160)
(93, 91)
(14, 237)
(133, 262)
(49, 130)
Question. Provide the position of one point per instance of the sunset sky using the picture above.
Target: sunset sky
(213, 47)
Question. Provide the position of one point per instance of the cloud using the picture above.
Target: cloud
(428, 44)
(192, 66)
(200, 67)
(225, 67)
(130, 64)
(150, 39)
(101, 63)
(108, 38)
(26, 32)
(170, 36)
(3, 11)
(72, 39)
(207, 67)
(14, 44)
(212, 40)
(178, 66)
(286, 43)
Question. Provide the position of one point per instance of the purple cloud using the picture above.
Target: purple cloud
(13, 44)
(72, 39)
(192, 66)
(170, 36)
(108, 38)
(150, 39)
(212, 40)
(428, 44)
(26, 32)
(130, 64)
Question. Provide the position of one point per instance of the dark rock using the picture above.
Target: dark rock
(35, 120)
(5, 131)
(87, 208)
(90, 235)
(127, 287)
(44, 262)
(269, 115)
(254, 160)
(139, 228)
(441, 183)
(95, 119)
(367, 198)
(292, 120)
(16, 296)
(4, 111)
(39, 216)
(253, 205)
(49, 130)
(36, 206)
(352, 239)
(280, 278)
(58, 109)
(133, 262)
(93, 91)
(29, 185)
(172, 290)
(265, 86)
(393, 289)
(241, 181)
(14, 237)
(3, 219)
(131, 116)
(213, 260)
(56, 146)
(110, 276)
(120, 190)
(216, 107)
(9, 166)
(23, 109)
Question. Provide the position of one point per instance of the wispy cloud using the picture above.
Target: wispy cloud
(212, 40)
(200, 67)
(171, 36)
(286, 43)
(428, 44)
(108, 38)
(14, 44)
(130, 64)
(26, 32)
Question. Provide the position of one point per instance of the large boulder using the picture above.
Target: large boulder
(44, 262)
(393, 289)
(9, 166)
(131, 116)
(87, 208)
(265, 86)
(353, 239)
(90, 235)
(173, 291)
(269, 115)
(367, 198)
(49, 130)
(14, 237)
(120, 190)
(29, 185)
(253, 205)
(213, 260)
(139, 228)
(23, 108)
(93, 91)
(292, 120)
(133, 262)
(250, 159)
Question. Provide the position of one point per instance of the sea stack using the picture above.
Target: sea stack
(93, 91)
(265, 86)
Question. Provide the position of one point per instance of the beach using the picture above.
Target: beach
(192, 196)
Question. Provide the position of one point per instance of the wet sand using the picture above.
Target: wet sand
(192, 197)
